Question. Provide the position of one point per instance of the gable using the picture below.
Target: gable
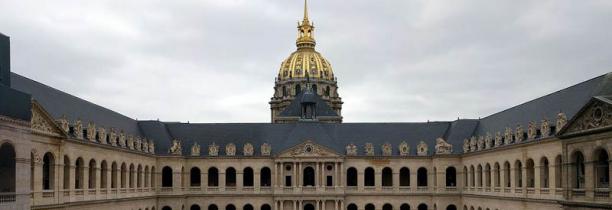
(42, 122)
(308, 149)
(594, 116)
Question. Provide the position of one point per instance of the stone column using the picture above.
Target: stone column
(341, 179)
(296, 181)
(413, 179)
(377, 179)
(239, 179)
(86, 177)
(221, 176)
(257, 179)
(323, 205)
(396, 180)
(36, 179)
(294, 205)
(537, 175)
(589, 181)
(360, 179)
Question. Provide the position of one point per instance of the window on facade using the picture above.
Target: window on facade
(370, 207)
(422, 177)
(496, 175)
(544, 166)
(330, 181)
(230, 207)
(315, 90)
(139, 176)
(309, 207)
(7, 168)
(405, 206)
(213, 207)
(166, 177)
(327, 91)
(351, 177)
(298, 89)
(518, 167)
(602, 169)
(404, 176)
(131, 175)
(66, 172)
(351, 206)
(247, 177)
(103, 174)
(266, 207)
(451, 207)
(422, 206)
(479, 176)
(530, 173)
(247, 207)
(487, 175)
(472, 176)
(114, 175)
(288, 181)
(194, 207)
(230, 177)
(265, 177)
(451, 177)
(387, 177)
(507, 176)
(78, 173)
(213, 177)
(368, 177)
(48, 171)
(194, 177)
(387, 207)
(309, 177)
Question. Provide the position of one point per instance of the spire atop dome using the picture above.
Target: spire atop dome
(305, 38)
(306, 12)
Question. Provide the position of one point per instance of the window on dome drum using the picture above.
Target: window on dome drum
(405, 206)
(195, 177)
(314, 89)
(387, 177)
(422, 206)
(309, 176)
(230, 177)
(103, 174)
(213, 207)
(578, 170)
(78, 174)
(530, 173)
(194, 207)
(298, 89)
(544, 168)
(370, 206)
(265, 177)
(422, 177)
(230, 207)
(602, 166)
(247, 207)
(266, 207)
(351, 206)
(368, 177)
(66, 172)
(7, 168)
(351, 177)
(387, 207)
(166, 177)
(285, 91)
(451, 207)
(451, 177)
(48, 171)
(327, 91)
(247, 177)
(404, 177)
(213, 177)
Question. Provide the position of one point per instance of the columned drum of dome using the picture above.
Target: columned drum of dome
(305, 68)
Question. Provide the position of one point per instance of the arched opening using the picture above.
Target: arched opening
(103, 174)
(544, 166)
(315, 90)
(387, 177)
(266, 207)
(166, 208)
(247, 207)
(230, 207)
(422, 177)
(265, 177)
(530, 173)
(405, 206)
(451, 207)
(465, 176)
(66, 172)
(48, 171)
(194, 177)
(387, 207)
(247, 177)
(309, 176)
(487, 172)
(131, 175)
(230, 177)
(602, 169)
(479, 176)
(558, 167)
(309, 206)
(7, 168)
(78, 173)
(578, 170)
(518, 176)
(368, 177)
(139, 176)
(422, 206)
(451, 177)
(369, 206)
(123, 175)
(114, 175)
(153, 176)
(507, 176)
(213, 207)
(92, 174)
(404, 177)
(166, 177)
(146, 176)
(213, 177)
(327, 91)
(351, 177)
(351, 206)
(496, 175)
(194, 207)
(472, 176)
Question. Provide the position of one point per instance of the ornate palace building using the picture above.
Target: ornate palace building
(60, 152)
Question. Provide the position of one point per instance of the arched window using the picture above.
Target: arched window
(7, 168)
(558, 167)
(451, 207)
(153, 176)
(578, 170)
(131, 175)
(78, 173)
(315, 90)
(166, 177)
(48, 171)
(368, 177)
(247, 177)
(309, 207)
(183, 177)
(479, 176)
(230, 206)
(327, 92)
(230, 177)
(213, 207)
(544, 166)
(602, 168)
(422, 206)
(369, 206)
(213, 177)
(123, 175)
(351, 177)
(139, 176)
(265, 177)
(487, 175)
(247, 207)
(451, 177)
(309, 176)
(496, 175)
(114, 175)
(92, 174)
(404, 177)
(530, 173)
(405, 206)
(66, 172)
(146, 177)
(387, 207)
(507, 176)
(387, 177)
(166, 208)
(351, 206)
(194, 177)
(266, 207)
(103, 174)
(422, 177)
(518, 167)
(465, 176)
(194, 207)
(472, 176)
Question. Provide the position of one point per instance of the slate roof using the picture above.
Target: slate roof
(295, 107)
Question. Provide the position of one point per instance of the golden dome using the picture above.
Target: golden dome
(305, 58)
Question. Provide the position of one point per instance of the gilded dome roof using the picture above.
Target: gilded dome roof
(305, 58)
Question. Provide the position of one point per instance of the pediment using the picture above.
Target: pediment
(43, 123)
(308, 149)
(596, 115)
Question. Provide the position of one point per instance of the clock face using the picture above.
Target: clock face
(308, 148)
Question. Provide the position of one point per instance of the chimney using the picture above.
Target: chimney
(5, 60)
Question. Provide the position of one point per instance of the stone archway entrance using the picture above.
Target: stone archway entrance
(309, 207)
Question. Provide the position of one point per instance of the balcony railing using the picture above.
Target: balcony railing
(602, 192)
(7, 197)
(48, 194)
(578, 192)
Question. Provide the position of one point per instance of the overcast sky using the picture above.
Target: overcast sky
(215, 61)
